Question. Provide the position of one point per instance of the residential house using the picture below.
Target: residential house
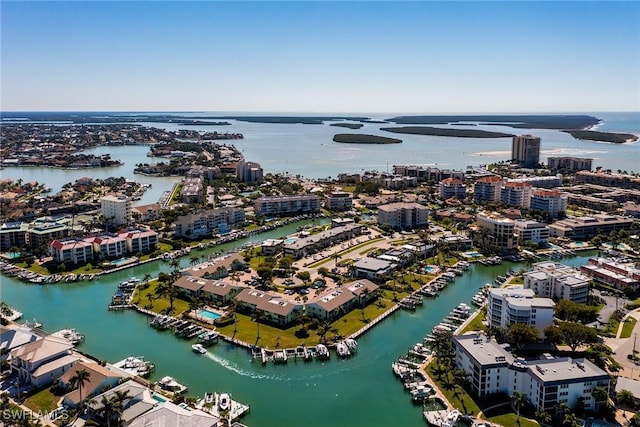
(41, 362)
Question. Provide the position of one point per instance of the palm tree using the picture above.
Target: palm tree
(118, 399)
(625, 398)
(518, 399)
(570, 420)
(543, 416)
(79, 380)
(107, 409)
(600, 395)
(193, 260)
(323, 330)
(257, 316)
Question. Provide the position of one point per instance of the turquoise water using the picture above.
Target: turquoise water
(290, 240)
(120, 261)
(472, 254)
(12, 255)
(356, 392)
(208, 314)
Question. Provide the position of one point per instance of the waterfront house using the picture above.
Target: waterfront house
(99, 379)
(546, 382)
(139, 401)
(373, 268)
(273, 307)
(139, 239)
(39, 363)
(13, 336)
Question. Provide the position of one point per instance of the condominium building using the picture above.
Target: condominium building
(139, 240)
(508, 306)
(271, 305)
(552, 280)
(610, 272)
(109, 246)
(287, 205)
(204, 223)
(584, 228)
(495, 231)
(249, 172)
(487, 189)
(549, 181)
(551, 201)
(403, 215)
(338, 201)
(428, 173)
(608, 179)
(72, 250)
(531, 231)
(572, 164)
(546, 382)
(315, 242)
(117, 209)
(452, 188)
(525, 150)
(13, 234)
(192, 190)
(516, 194)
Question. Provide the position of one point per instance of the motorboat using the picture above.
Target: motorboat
(169, 384)
(224, 402)
(323, 351)
(71, 335)
(351, 344)
(199, 348)
(342, 349)
(208, 399)
(451, 419)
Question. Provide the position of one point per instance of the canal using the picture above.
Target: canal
(359, 391)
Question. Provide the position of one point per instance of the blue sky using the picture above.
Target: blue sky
(429, 57)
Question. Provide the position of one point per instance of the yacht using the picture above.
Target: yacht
(224, 402)
(452, 418)
(323, 351)
(169, 384)
(199, 348)
(71, 335)
(351, 344)
(342, 349)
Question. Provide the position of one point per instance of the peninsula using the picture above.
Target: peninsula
(592, 135)
(460, 133)
(357, 138)
(348, 125)
(556, 121)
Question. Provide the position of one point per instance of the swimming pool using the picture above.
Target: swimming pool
(472, 254)
(429, 269)
(291, 240)
(121, 261)
(208, 314)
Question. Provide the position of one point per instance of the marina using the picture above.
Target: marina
(114, 335)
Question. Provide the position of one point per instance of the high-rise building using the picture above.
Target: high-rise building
(117, 209)
(525, 150)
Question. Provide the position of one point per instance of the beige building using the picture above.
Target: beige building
(495, 231)
(487, 189)
(117, 209)
(525, 150)
(403, 215)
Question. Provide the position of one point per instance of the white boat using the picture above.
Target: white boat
(323, 351)
(351, 344)
(208, 399)
(452, 418)
(170, 385)
(71, 335)
(342, 349)
(224, 402)
(199, 348)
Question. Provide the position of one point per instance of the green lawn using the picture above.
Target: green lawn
(159, 304)
(475, 324)
(344, 252)
(510, 419)
(628, 326)
(42, 401)
(274, 337)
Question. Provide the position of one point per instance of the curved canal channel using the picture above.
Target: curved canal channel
(360, 391)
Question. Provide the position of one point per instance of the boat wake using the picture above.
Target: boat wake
(227, 364)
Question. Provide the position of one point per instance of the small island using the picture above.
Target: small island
(460, 133)
(348, 125)
(592, 135)
(357, 138)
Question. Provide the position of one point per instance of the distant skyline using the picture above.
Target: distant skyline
(342, 57)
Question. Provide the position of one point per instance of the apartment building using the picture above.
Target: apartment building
(608, 179)
(301, 247)
(192, 190)
(508, 306)
(516, 194)
(71, 250)
(139, 240)
(610, 272)
(204, 223)
(525, 151)
(403, 215)
(496, 231)
(551, 201)
(287, 205)
(572, 164)
(549, 279)
(585, 228)
(452, 188)
(487, 189)
(338, 201)
(528, 230)
(116, 208)
(546, 381)
(428, 173)
(550, 181)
